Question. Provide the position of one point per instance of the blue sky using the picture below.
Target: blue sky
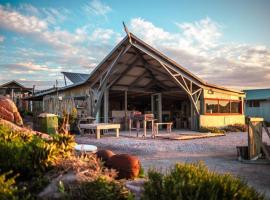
(223, 42)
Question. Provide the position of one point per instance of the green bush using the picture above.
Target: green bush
(235, 128)
(211, 130)
(195, 181)
(99, 189)
(8, 190)
(30, 155)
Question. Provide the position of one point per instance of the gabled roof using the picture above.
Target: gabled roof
(17, 85)
(155, 54)
(76, 77)
(12, 82)
(81, 79)
(257, 94)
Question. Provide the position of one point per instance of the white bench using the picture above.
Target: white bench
(169, 127)
(100, 126)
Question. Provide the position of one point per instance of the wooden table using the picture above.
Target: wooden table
(101, 126)
(169, 127)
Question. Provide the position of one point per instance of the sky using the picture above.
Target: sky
(224, 42)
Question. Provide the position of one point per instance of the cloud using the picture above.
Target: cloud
(2, 38)
(198, 47)
(97, 7)
(13, 20)
(29, 67)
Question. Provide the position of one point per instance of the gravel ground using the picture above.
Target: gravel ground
(219, 154)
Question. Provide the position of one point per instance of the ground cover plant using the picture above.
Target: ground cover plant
(29, 164)
(195, 181)
(229, 128)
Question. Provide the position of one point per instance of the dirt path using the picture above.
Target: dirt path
(219, 153)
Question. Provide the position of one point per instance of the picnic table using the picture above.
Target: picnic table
(168, 124)
(100, 126)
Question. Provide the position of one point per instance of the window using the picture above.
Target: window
(253, 103)
(211, 106)
(223, 106)
(235, 107)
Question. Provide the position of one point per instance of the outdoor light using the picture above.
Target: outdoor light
(210, 91)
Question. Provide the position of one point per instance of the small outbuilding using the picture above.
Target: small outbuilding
(16, 92)
(257, 103)
(136, 77)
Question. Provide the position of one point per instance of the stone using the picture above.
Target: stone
(9, 111)
(104, 155)
(128, 166)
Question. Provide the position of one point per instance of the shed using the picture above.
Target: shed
(136, 77)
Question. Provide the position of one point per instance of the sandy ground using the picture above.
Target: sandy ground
(219, 154)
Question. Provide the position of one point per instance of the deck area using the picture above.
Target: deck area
(181, 134)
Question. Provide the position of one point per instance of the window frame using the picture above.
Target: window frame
(219, 113)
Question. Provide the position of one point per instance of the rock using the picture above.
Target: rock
(127, 166)
(104, 155)
(51, 191)
(9, 111)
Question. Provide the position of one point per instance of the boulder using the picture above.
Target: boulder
(104, 155)
(127, 166)
(9, 111)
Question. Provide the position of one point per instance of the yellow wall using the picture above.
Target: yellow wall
(220, 121)
(219, 94)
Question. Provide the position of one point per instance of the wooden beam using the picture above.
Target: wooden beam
(119, 76)
(167, 64)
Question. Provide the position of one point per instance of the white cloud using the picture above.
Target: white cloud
(97, 7)
(2, 38)
(13, 20)
(198, 47)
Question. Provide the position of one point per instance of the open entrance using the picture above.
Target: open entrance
(135, 77)
(166, 107)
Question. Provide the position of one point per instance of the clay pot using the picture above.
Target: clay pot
(104, 155)
(128, 166)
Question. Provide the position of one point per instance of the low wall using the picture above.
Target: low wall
(221, 120)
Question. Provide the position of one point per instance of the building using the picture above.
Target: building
(16, 92)
(136, 77)
(257, 103)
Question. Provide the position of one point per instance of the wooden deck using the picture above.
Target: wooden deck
(163, 134)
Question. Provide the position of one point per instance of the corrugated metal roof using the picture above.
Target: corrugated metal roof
(76, 77)
(257, 94)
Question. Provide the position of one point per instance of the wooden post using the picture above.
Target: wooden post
(152, 104)
(126, 107)
(117, 132)
(254, 137)
(159, 107)
(98, 133)
(106, 105)
(98, 116)
(144, 128)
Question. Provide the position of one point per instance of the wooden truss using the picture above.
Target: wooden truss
(185, 82)
(189, 84)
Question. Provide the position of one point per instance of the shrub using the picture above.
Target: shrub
(235, 128)
(99, 189)
(30, 155)
(211, 130)
(8, 189)
(195, 181)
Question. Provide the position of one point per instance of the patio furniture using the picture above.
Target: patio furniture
(139, 117)
(100, 126)
(157, 124)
